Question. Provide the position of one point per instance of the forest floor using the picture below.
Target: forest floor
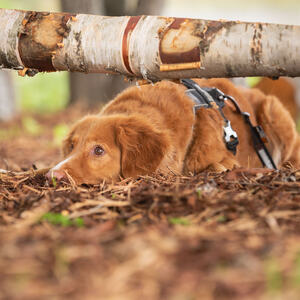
(234, 235)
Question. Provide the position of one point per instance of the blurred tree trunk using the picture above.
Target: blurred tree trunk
(8, 107)
(87, 88)
(149, 7)
(133, 7)
(95, 89)
(114, 7)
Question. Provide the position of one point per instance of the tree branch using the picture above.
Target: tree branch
(147, 46)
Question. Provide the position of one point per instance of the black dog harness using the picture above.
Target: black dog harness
(205, 97)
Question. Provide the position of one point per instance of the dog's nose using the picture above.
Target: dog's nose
(56, 175)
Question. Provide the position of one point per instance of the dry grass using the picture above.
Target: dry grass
(212, 236)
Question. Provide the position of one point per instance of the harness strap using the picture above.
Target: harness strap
(259, 137)
(205, 97)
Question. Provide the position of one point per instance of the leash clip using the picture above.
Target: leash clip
(230, 137)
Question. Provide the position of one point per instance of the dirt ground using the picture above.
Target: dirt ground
(212, 236)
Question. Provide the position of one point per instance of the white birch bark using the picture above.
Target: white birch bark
(11, 24)
(147, 47)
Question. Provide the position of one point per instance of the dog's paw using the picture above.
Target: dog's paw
(224, 165)
(216, 168)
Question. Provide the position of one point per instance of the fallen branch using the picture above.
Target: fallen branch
(146, 47)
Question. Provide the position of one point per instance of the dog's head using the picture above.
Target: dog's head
(109, 147)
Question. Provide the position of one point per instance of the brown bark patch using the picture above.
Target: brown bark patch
(179, 43)
(187, 40)
(42, 35)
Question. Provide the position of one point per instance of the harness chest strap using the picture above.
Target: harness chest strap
(205, 97)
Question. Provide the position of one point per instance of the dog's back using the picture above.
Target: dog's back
(284, 89)
(169, 108)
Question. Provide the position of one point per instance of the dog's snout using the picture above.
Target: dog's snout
(56, 175)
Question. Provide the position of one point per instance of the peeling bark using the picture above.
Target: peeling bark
(11, 26)
(149, 47)
(42, 34)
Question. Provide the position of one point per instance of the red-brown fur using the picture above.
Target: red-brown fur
(284, 90)
(152, 128)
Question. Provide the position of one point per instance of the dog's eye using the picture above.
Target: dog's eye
(98, 150)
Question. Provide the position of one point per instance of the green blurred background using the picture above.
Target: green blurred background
(44, 93)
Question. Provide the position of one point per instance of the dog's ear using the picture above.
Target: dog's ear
(142, 146)
(68, 144)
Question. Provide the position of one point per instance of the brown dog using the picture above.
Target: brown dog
(153, 128)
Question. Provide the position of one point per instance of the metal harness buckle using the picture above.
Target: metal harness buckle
(230, 137)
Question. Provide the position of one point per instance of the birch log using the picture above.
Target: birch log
(147, 47)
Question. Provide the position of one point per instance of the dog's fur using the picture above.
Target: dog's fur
(284, 89)
(153, 128)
